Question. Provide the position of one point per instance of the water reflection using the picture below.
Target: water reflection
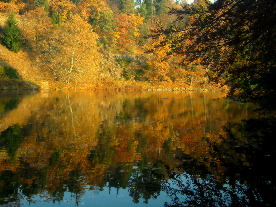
(7, 104)
(156, 148)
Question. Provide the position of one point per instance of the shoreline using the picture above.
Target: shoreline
(21, 85)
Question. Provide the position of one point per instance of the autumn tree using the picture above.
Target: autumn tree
(11, 36)
(159, 63)
(8, 6)
(75, 54)
(128, 6)
(235, 40)
(127, 31)
(122, 6)
(165, 65)
(65, 9)
(105, 27)
(101, 17)
(68, 52)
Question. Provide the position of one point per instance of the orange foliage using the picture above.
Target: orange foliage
(127, 31)
(158, 63)
(13, 6)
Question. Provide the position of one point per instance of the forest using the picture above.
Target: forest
(173, 45)
(115, 135)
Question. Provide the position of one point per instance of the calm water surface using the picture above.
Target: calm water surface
(133, 149)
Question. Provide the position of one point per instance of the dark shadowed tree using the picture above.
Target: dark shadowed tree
(235, 40)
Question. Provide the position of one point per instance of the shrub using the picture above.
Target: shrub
(8, 72)
(124, 60)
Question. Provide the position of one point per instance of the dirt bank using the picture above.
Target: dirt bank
(16, 85)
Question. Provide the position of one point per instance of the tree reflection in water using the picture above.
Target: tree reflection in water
(144, 144)
(242, 172)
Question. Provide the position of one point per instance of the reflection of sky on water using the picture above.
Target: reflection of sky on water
(120, 197)
(188, 189)
(95, 198)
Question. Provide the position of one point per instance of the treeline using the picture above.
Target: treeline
(231, 42)
(91, 40)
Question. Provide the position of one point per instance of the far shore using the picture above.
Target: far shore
(20, 85)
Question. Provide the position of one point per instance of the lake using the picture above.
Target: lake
(134, 149)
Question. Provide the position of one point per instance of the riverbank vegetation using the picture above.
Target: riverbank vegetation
(88, 44)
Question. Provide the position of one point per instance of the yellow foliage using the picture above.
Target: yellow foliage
(13, 6)
(93, 8)
(68, 52)
(127, 30)
(160, 61)
(65, 8)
